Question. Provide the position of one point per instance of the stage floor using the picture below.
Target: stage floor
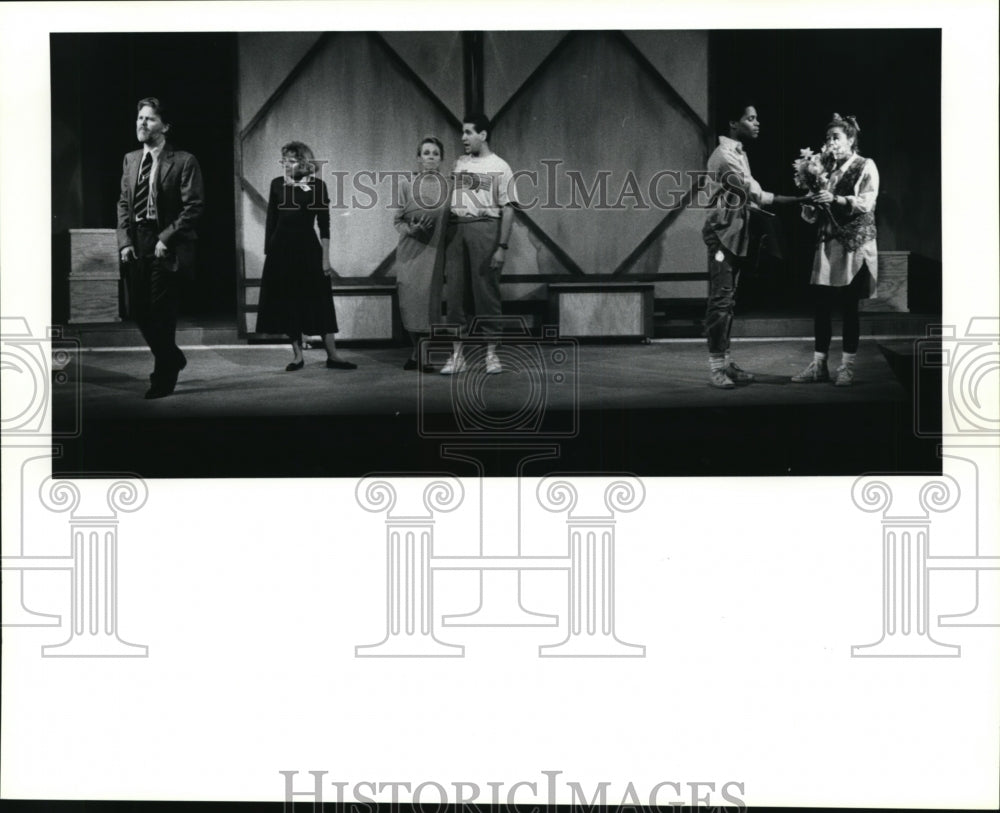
(645, 408)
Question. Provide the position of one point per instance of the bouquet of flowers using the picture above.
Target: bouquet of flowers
(812, 170)
(812, 173)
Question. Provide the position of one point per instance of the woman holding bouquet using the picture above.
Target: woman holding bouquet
(845, 266)
(421, 221)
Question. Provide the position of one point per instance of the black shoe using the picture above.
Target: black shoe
(181, 364)
(295, 365)
(161, 389)
(163, 384)
(411, 364)
(336, 364)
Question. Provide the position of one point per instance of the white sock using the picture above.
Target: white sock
(847, 359)
(717, 361)
(456, 349)
(819, 357)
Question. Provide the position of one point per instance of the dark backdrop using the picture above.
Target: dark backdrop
(96, 81)
(891, 81)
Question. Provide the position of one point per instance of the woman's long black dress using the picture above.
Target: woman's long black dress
(295, 294)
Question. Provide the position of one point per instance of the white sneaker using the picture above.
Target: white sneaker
(816, 372)
(845, 376)
(454, 365)
(493, 364)
(718, 378)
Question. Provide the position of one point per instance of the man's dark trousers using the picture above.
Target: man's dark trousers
(152, 300)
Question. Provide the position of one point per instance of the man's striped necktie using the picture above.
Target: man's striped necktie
(141, 204)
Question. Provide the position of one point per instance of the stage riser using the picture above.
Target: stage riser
(872, 324)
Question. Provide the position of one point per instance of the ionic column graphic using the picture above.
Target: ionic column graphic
(591, 542)
(905, 573)
(16, 613)
(986, 595)
(94, 570)
(409, 581)
(500, 588)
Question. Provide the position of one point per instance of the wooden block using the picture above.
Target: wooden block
(93, 278)
(600, 314)
(597, 310)
(364, 313)
(893, 283)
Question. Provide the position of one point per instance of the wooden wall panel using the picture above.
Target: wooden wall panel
(436, 57)
(682, 58)
(510, 57)
(253, 238)
(362, 111)
(679, 250)
(626, 104)
(265, 59)
(598, 109)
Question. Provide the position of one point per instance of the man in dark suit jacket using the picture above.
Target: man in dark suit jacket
(162, 198)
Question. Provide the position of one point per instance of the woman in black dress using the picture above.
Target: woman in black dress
(295, 296)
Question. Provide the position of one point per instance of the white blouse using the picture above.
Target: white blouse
(834, 264)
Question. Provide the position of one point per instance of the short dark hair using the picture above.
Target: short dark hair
(732, 110)
(480, 121)
(848, 124)
(158, 107)
(430, 140)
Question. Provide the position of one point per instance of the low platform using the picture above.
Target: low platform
(643, 408)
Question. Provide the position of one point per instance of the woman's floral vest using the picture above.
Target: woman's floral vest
(858, 228)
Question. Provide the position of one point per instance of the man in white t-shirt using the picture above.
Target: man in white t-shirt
(478, 230)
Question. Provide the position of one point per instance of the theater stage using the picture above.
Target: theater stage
(643, 408)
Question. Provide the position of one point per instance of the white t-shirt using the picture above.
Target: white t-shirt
(483, 185)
